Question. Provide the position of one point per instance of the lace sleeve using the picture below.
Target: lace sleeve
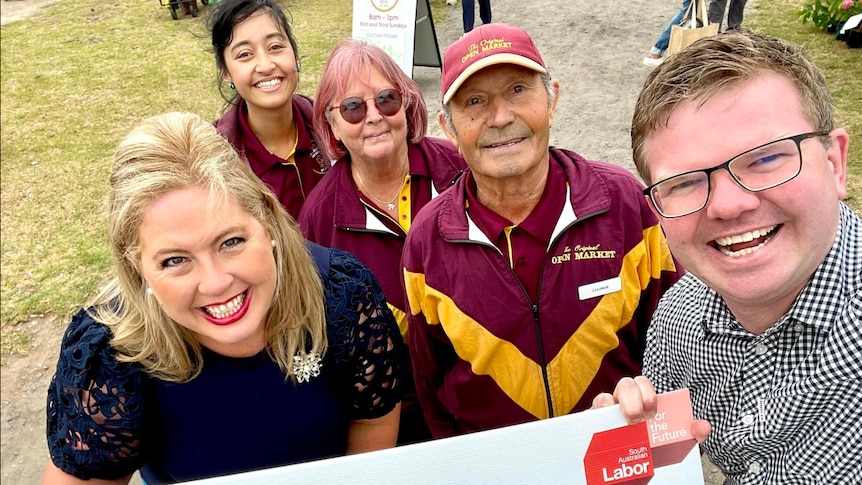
(366, 351)
(95, 406)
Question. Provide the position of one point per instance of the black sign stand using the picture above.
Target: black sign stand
(426, 52)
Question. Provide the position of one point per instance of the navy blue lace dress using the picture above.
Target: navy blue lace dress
(107, 419)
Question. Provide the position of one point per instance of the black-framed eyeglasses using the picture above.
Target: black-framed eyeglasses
(761, 168)
(354, 109)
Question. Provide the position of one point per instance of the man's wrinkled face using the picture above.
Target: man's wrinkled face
(502, 118)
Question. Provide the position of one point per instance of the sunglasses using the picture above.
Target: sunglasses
(354, 109)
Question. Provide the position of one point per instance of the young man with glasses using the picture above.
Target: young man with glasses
(532, 280)
(746, 170)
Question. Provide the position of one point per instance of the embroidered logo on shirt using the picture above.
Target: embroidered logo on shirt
(583, 252)
(566, 256)
(593, 252)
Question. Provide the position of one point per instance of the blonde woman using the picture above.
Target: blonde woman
(224, 342)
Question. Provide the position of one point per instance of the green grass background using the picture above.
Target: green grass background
(79, 75)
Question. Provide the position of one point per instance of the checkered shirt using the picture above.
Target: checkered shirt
(785, 406)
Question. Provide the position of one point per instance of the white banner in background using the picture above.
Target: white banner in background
(389, 24)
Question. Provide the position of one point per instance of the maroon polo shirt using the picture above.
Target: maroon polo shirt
(290, 179)
(417, 187)
(524, 245)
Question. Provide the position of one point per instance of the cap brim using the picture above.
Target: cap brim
(496, 59)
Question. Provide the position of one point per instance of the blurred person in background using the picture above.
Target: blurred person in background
(468, 13)
(656, 53)
(734, 14)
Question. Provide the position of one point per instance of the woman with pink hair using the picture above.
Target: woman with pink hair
(370, 118)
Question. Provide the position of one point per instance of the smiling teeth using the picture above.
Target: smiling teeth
(748, 236)
(226, 309)
(741, 252)
(268, 84)
(498, 145)
(723, 243)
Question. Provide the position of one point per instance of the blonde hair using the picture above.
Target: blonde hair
(711, 65)
(175, 151)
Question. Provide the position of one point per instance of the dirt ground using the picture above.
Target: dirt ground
(12, 10)
(595, 54)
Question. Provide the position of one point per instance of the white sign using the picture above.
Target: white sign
(589, 448)
(389, 24)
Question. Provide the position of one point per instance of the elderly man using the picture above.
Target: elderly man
(532, 280)
(766, 330)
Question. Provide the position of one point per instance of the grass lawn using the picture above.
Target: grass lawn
(842, 66)
(77, 77)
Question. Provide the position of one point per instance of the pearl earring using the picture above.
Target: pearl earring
(272, 241)
(149, 291)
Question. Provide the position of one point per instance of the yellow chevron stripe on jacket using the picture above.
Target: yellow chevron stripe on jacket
(572, 370)
(400, 319)
(518, 376)
(660, 258)
(594, 338)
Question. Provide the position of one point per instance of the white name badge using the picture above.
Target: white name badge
(600, 288)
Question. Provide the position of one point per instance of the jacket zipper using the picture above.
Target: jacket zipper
(540, 342)
(537, 324)
(542, 359)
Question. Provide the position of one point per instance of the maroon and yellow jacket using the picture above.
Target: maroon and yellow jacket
(484, 354)
(291, 182)
(334, 216)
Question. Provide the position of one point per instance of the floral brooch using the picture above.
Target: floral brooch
(304, 368)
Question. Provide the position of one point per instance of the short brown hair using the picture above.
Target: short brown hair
(713, 64)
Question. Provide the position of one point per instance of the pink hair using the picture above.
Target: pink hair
(353, 59)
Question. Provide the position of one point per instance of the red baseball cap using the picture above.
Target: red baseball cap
(488, 45)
